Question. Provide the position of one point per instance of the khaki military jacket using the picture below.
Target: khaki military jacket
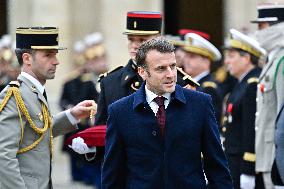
(31, 169)
(270, 97)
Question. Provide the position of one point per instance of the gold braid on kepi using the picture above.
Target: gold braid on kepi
(21, 107)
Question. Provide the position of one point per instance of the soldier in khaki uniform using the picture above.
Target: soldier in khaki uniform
(270, 92)
(26, 125)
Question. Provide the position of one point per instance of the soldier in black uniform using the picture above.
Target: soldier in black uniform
(200, 54)
(241, 58)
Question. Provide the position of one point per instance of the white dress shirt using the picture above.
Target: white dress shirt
(150, 96)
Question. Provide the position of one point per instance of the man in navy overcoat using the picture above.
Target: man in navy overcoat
(143, 152)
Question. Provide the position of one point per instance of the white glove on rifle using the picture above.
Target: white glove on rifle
(79, 146)
(247, 181)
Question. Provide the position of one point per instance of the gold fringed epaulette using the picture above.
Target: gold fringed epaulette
(248, 156)
(101, 76)
(208, 84)
(252, 80)
(15, 84)
(188, 78)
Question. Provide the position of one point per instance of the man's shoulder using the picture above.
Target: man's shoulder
(112, 75)
(124, 101)
(197, 96)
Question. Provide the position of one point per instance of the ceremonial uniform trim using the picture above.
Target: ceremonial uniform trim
(141, 32)
(253, 80)
(101, 76)
(199, 50)
(209, 84)
(36, 31)
(248, 156)
(239, 45)
(44, 47)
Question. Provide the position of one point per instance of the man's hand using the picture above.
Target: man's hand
(84, 109)
(79, 146)
(247, 181)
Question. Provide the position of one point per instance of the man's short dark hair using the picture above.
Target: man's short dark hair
(159, 44)
(19, 54)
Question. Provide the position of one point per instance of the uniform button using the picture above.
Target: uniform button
(256, 114)
(256, 99)
(154, 133)
(255, 128)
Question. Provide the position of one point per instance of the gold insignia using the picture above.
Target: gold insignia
(33, 88)
(135, 24)
(126, 77)
(136, 84)
(135, 88)
(248, 156)
(252, 80)
(209, 84)
(40, 116)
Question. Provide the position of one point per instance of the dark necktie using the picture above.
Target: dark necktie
(44, 94)
(161, 114)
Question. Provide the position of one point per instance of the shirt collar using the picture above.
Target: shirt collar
(201, 75)
(150, 96)
(34, 81)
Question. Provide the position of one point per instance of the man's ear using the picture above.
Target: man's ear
(27, 58)
(142, 72)
(247, 58)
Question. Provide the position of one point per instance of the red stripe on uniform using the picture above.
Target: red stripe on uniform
(144, 15)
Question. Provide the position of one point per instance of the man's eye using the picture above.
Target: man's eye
(173, 66)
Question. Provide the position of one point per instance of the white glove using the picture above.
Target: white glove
(79, 146)
(247, 181)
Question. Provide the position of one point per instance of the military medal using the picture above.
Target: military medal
(261, 87)
(230, 110)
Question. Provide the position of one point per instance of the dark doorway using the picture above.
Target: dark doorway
(206, 16)
(3, 17)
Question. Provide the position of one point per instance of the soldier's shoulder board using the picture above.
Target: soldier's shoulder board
(207, 84)
(252, 80)
(15, 84)
(101, 76)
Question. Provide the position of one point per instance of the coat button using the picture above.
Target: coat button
(154, 133)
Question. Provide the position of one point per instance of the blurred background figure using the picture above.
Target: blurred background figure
(9, 67)
(199, 55)
(80, 86)
(241, 59)
(96, 57)
(270, 92)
